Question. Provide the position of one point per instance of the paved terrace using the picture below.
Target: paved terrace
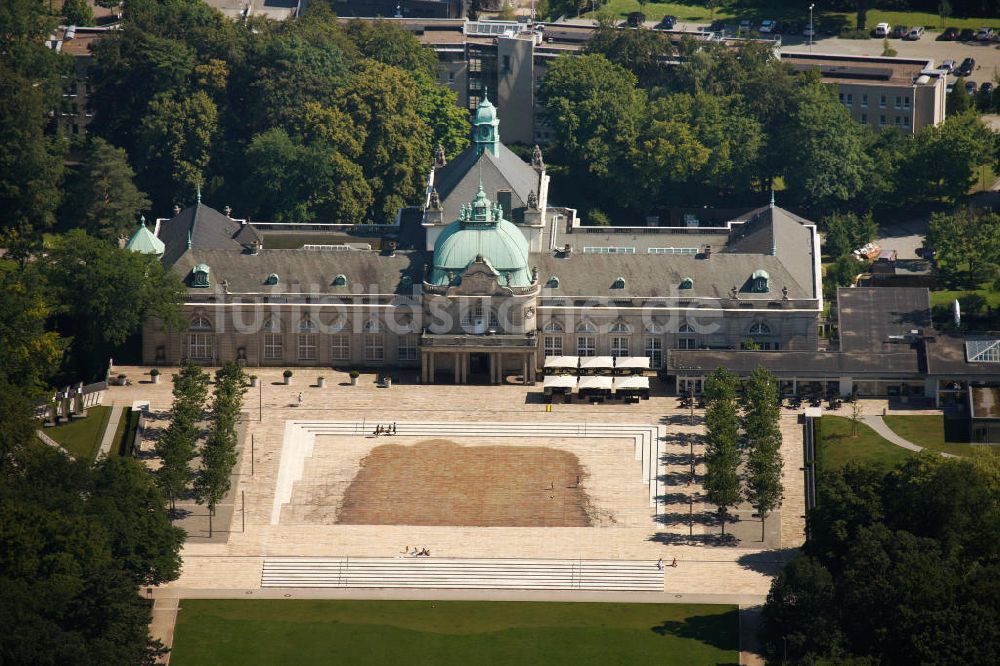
(702, 568)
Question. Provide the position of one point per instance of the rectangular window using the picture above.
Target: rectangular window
(586, 345)
(340, 347)
(374, 347)
(408, 347)
(864, 118)
(687, 343)
(272, 347)
(906, 102)
(200, 346)
(307, 346)
(506, 63)
(451, 78)
(881, 121)
(899, 102)
(475, 64)
(864, 101)
(619, 346)
(841, 98)
(906, 121)
(654, 352)
(881, 102)
(850, 100)
(899, 120)
(552, 345)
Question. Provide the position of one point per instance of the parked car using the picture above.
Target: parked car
(792, 28)
(766, 27)
(948, 65)
(970, 87)
(899, 32)
(745, 25)
(967, 35)
(986, 89)
(668, 23)
(949, 88)
(949, 35)
(883, 30)
(915, 33)
(809, 30)
(966, 68)
(984, 34)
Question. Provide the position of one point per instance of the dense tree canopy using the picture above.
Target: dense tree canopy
(196, 99)
(912, 547)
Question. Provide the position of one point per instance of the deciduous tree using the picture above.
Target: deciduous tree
(722, 454)
(762, 440)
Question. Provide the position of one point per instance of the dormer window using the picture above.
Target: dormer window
(553, 283)
(199, 276)
(619, 283)
(340, 281)
(271, 280)
(687, 283)
(759, 282)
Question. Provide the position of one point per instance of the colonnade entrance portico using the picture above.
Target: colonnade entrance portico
(466, 366)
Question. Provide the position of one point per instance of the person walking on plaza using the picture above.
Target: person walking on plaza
(300, 398)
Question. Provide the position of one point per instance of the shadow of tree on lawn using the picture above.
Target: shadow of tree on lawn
(719, 631)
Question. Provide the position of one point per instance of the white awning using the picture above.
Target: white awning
(562, 362)
(596, 363)
(635, 382)
(638, 362)
(596, 382)
(559, 381)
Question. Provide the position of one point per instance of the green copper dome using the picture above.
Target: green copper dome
(144, 241)
(486, 127)
(481, 233)
(485, 112)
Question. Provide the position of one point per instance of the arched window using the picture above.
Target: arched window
(586, 327)
(686, 336)
(653, 328)
(759, 328)
(687, 283)
(306, 325)
(619, 283)
(586, 339)
(274, 343)
(553, 327)
(620, 327)
(478, 316)
(271, 279)
(374, 341)
(272, 325)
(685, 328)
(553, 283)
(373, 326)
(200, 323)
(340, 281)
(307, 339)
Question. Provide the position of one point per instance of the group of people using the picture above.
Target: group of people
(417, 552)
(385, 430)
(660, 565)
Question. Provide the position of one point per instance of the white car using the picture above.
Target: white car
(766, 27)
(883, 30)
(948, 65)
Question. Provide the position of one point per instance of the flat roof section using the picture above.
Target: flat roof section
(882, 319)
(860, 69)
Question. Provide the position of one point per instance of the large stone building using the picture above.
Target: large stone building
(482, 281)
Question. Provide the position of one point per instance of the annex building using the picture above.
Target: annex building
(481, 281)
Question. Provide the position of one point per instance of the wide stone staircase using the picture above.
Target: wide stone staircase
(450, 573)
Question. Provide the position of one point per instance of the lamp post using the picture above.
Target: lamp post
(812, 30)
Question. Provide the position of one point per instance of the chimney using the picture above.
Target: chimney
(708, 251)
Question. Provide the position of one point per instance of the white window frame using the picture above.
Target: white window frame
(407, 347)
(374, 347)
(552, 345)
(620, 345)
(653, 348)
(586, 345)
(340, 347)
(200, 346)
(307, 346)
(274, 347)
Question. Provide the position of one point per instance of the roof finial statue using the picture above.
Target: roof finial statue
(734, 293)
(439, 158)
(435, 201)
(198, 192)
(536, 158)
(532, 200)
(784, 293)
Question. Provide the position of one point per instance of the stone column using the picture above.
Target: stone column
(458, 368)
(531, 367)
(423, 367)
(466, 361)
(430, 357)
(524, 369)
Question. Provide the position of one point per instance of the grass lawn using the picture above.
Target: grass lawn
(305, 632)
(928, 432)
(947, 296)
(761, 9)
(82, 437)
(837, 447)
(125, 433)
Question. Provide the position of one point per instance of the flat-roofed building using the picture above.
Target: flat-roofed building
(905, 93)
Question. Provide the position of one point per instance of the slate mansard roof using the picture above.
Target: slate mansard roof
(207, 229)
(457, 182)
